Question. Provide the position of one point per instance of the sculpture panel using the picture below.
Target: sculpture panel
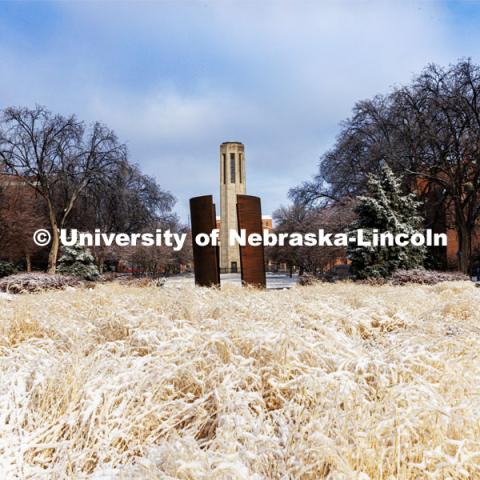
(252, 258)
(205, 259)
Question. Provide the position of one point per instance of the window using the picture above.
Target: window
(232, 168)
(224, 168)
(240, 167)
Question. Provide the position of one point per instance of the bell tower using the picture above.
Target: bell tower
(232, 182)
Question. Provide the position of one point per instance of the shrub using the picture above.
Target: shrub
(307, 279)
(142, 281)
(35, 282)
(7, 268)
(374, 281)
(79, 262)
(426, 277)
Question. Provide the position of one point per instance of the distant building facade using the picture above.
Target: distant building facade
(22, 211)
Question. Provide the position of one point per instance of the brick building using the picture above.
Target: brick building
(440, 217)
(22, 211)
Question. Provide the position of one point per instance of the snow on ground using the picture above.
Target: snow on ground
(274, 280)
(337, 381)
(5, 296)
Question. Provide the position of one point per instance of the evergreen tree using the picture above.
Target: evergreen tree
(6, 269)
(79, 262)
(386, 209)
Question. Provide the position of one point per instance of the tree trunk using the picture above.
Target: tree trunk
(55, 243)
(52, 256)
(28, 262)
(464, 248)
(464, 237)
(100, 264)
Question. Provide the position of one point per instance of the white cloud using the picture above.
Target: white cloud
(175, 80)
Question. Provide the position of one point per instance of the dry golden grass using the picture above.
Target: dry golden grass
(329, 381)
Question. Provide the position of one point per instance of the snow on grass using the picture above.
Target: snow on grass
(330, 381)
(5, 296)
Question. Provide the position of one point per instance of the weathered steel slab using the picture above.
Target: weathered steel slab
(252, 258)
(205, 259)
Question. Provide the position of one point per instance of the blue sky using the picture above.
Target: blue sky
(175, 79)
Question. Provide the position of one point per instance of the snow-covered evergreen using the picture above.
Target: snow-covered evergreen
(386, 209)
(78, 261)
(7, 268)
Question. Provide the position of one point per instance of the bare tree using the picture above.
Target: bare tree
(298, 218)
(58, 157)
(126, 201)
(429, 131)
(160, 259)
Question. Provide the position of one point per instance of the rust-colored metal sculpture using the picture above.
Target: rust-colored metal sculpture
(252, 258)
(205, 259)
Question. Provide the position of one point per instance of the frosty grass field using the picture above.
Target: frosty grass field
(336, 381)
